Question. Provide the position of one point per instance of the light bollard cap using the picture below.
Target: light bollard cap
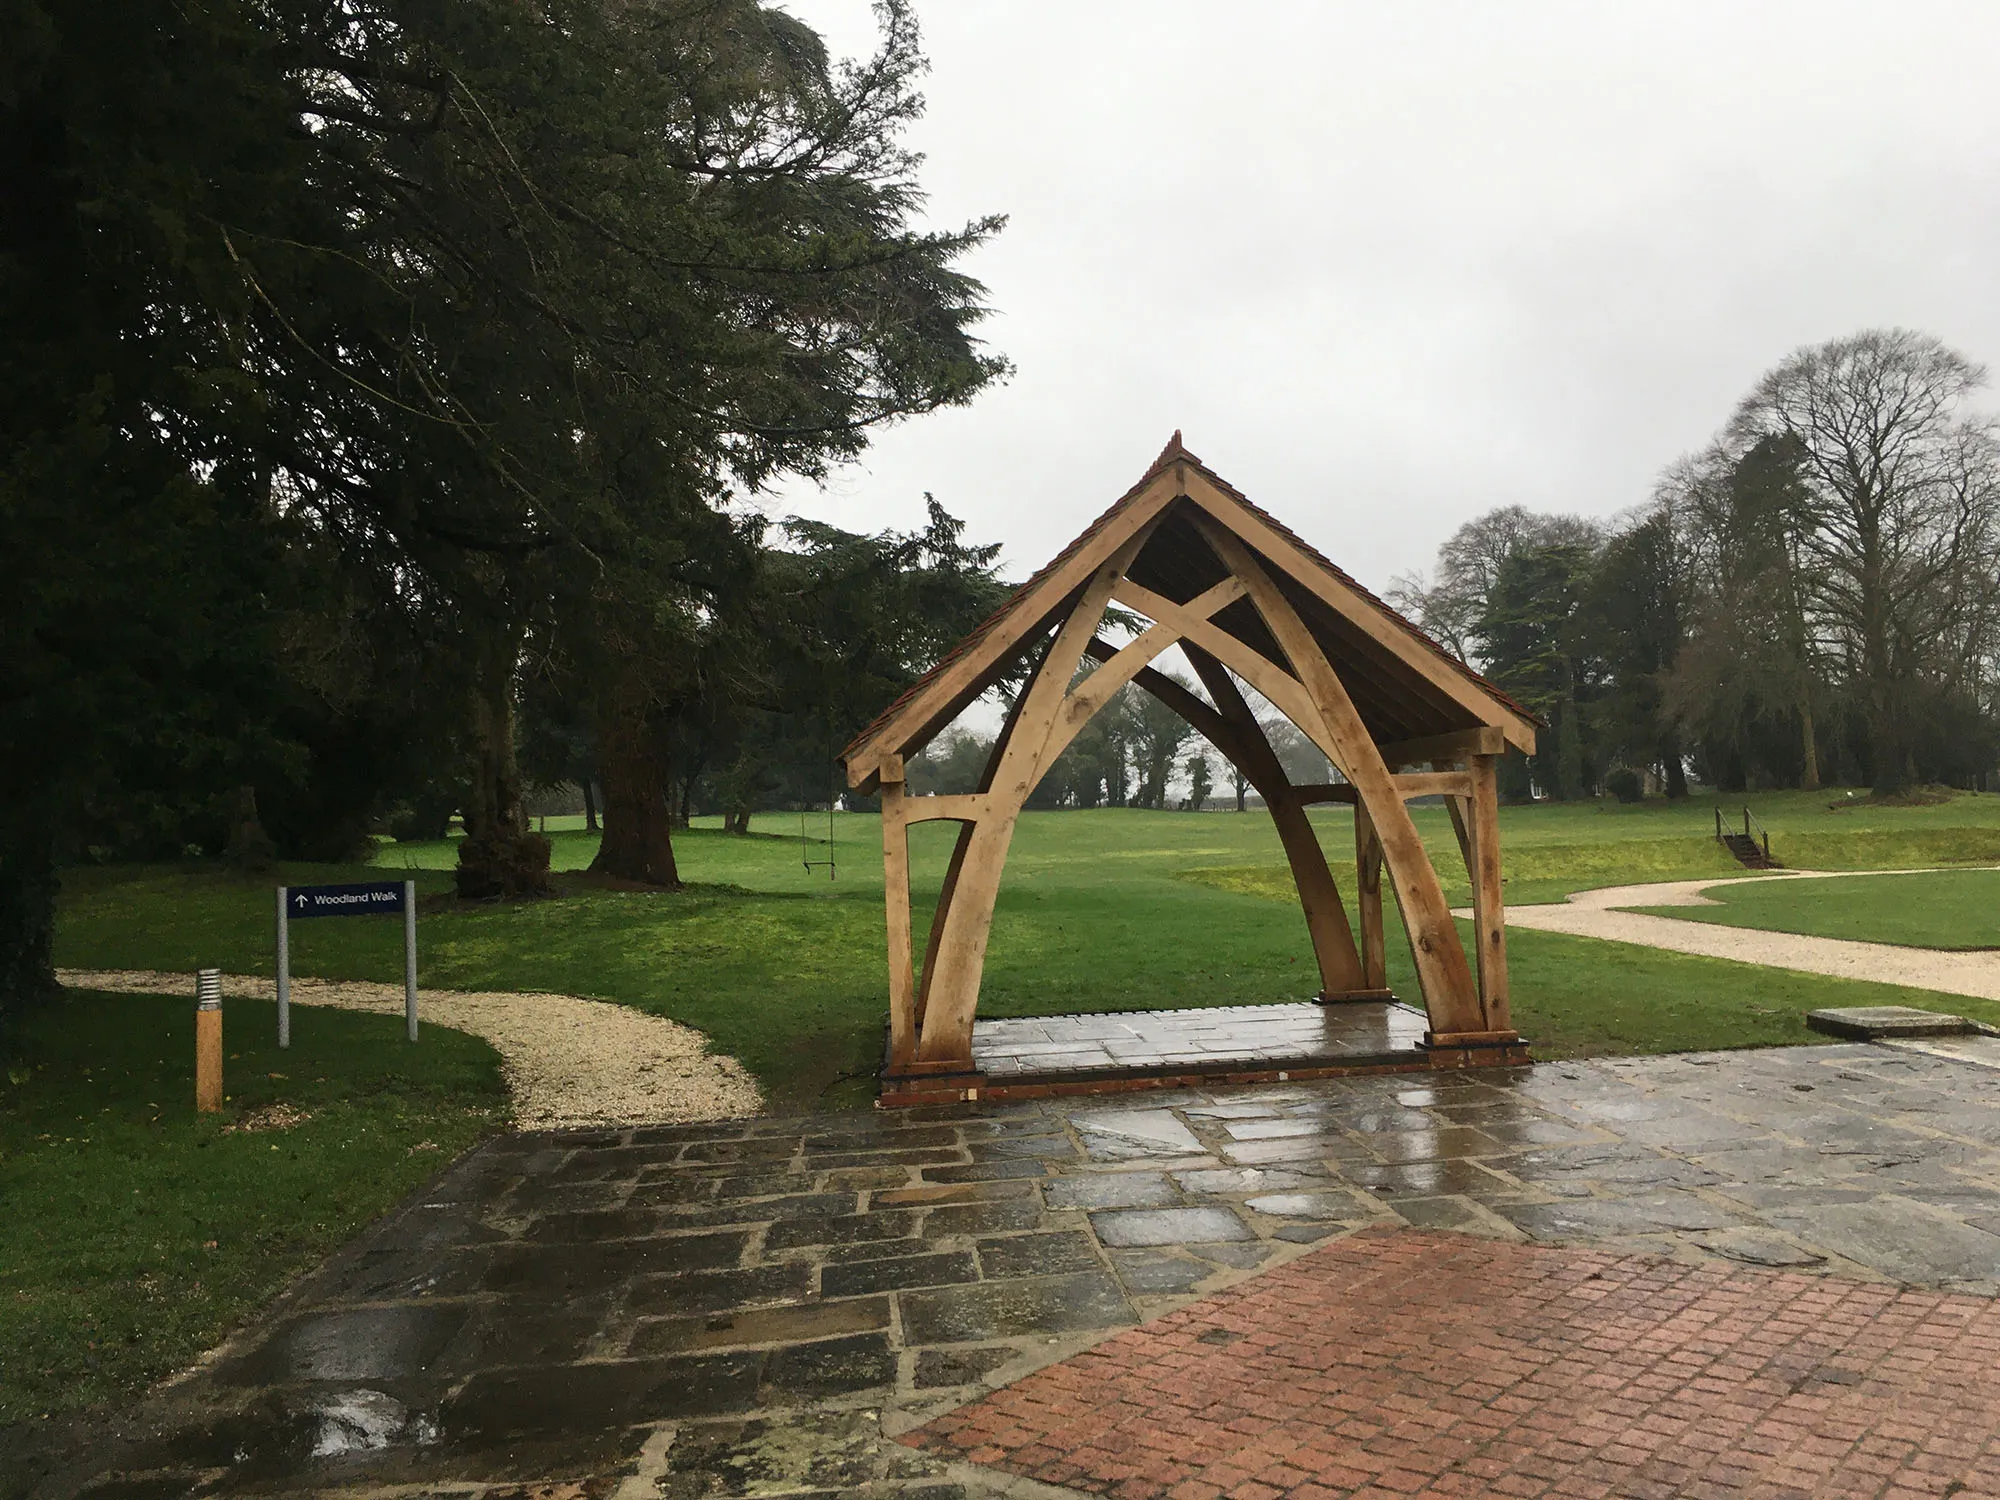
(208, 989)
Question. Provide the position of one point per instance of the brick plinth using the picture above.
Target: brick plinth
(1401, 1363)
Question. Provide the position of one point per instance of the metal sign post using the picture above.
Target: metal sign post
(366, 898)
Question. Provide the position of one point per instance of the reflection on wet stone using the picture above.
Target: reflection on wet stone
(1152, 1273)
(1109, 1190)
(561, 1291)
(1168, 1226)
(1037, 1254)
(989, 1310)
(1308, 1206)
(898, 1273)
(1613, 1216)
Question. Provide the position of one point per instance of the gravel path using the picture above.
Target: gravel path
(568, 1061)
(1596, 914)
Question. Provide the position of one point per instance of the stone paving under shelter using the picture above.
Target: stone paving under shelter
(766, 1306)
(1218, 1043)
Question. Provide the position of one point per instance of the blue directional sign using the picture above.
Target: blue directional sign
(365, 898)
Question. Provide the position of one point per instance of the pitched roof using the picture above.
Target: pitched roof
(1403, 682)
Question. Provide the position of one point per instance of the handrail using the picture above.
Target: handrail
(1763, 834)
(1750, 820)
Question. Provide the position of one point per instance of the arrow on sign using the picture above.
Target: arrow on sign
(302, 901)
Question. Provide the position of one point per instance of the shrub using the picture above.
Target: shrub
(1626, 785)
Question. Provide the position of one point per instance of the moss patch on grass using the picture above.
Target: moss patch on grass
(136, 1232)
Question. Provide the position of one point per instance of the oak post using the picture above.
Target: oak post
(1489, 901)
(1368, 899)
(896, 901)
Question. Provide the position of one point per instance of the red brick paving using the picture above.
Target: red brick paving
(1397, 1363)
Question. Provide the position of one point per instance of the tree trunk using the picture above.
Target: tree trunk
(1676, 771)
(28, 886)
(634, 765)
(1568, 778)
(249, 850)
(500, 857)
(1809, 777)
(590, 806)
(1886, 731)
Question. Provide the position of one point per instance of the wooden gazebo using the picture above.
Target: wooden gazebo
(1246, 599)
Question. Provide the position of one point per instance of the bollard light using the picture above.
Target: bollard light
(208, 1040)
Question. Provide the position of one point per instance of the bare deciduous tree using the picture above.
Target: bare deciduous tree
(1899, 487)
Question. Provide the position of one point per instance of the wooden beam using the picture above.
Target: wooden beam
(1450, 995)
(896, 902)
(940, 698)
(1206, 721)
(1100, 686)
(1432, 784)
(1368, 900)
(1484, 740)
(1327, 791)
(1489, 906)
(965, 807)
(1285, 691)
(1239, 520)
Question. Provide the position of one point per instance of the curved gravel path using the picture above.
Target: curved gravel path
(1596, 914)
(568, 1060)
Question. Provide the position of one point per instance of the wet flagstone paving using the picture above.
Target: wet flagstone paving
(760, 1307)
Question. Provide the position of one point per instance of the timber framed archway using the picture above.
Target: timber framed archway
(1244, 598)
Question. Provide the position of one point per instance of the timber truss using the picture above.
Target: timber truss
(1247, 602)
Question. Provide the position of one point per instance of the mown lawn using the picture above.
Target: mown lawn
(136, 1232)
(1957, 909)
(1103, 910)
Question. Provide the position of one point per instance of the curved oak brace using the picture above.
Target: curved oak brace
(964, 919)
(1450, 994)
(931, 1023)
(1340, 968)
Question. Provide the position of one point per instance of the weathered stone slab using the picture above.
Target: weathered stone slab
(1156, 1131)
(1898, 1238)
(353, 1344)
(1109, 1190)
(1159, 1273)
(795, 1373)
(1589, 1217)
(1037, 1254)
(981, 1218)
(1000, 1309)
(945, 1367)
(1309, 1206)
(1874, 1023)
(764, 1325)
(1168, 1226)
(943, 1268)
(1757, 1247)
(1229, 1180)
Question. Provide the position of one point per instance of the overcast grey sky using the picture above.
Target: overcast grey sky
(1390, 265)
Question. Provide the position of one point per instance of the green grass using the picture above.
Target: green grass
(1956, 909)
(136, 1232)
(1104, 910)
